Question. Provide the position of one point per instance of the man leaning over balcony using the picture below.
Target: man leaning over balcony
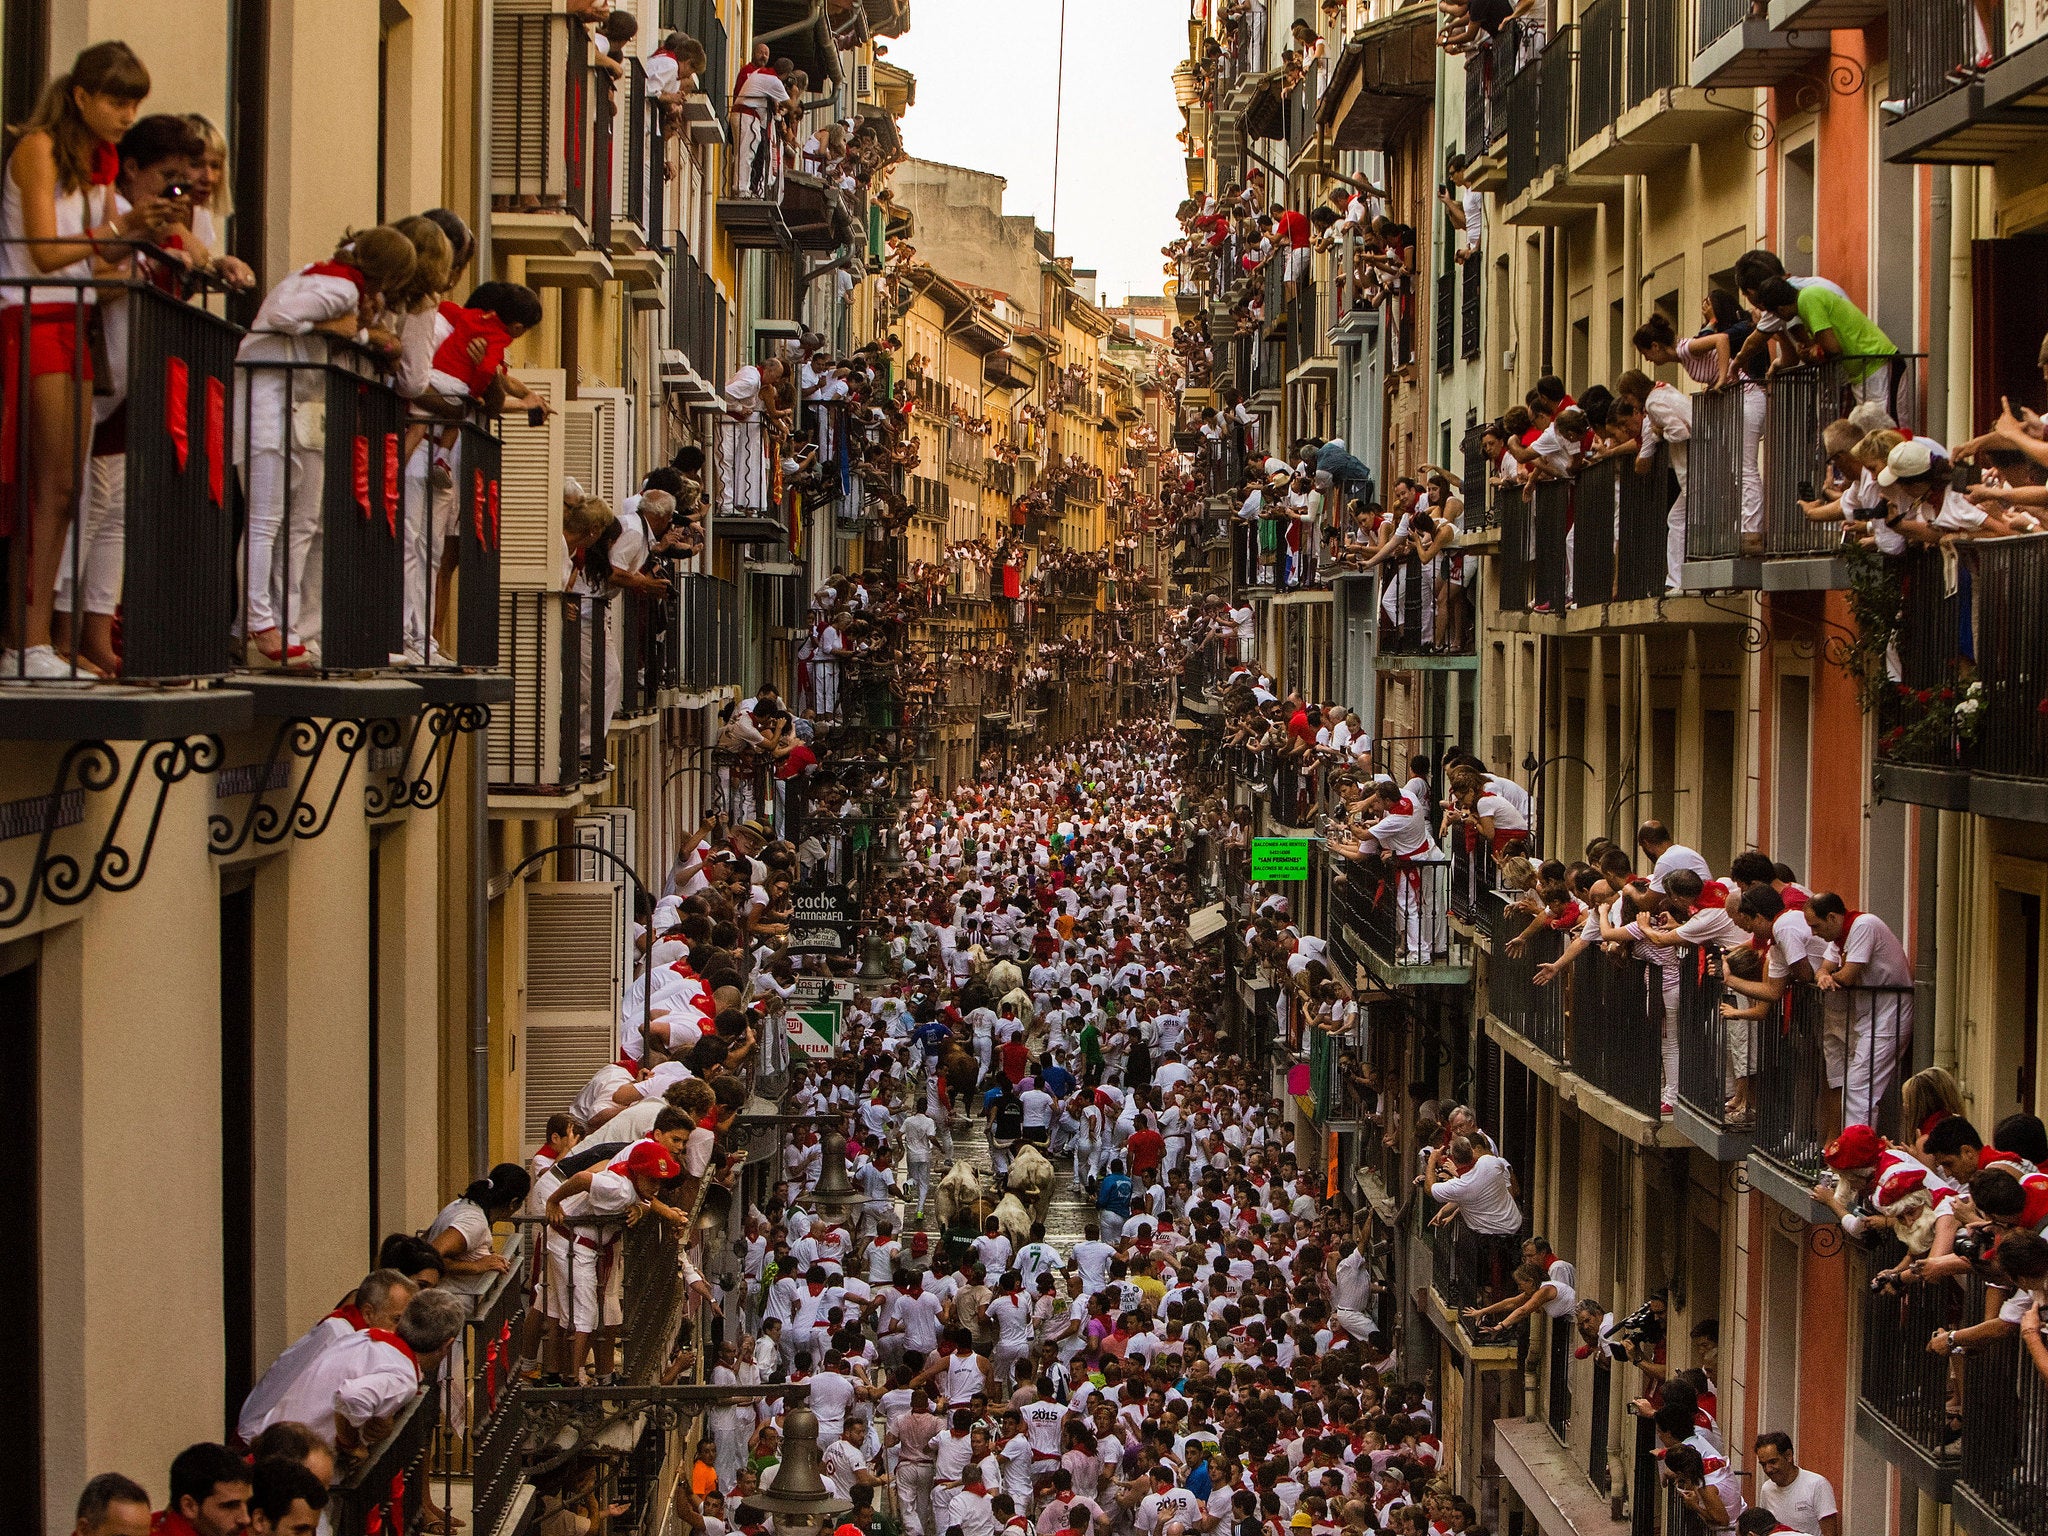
(1861, 951)
(1478, 1185)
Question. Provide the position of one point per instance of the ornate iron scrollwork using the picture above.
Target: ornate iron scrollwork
(1845, 77)
(306, 742)
(1759, 131)
(96, 767)
(442, 724)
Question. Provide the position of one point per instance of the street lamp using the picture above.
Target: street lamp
(798, 1498)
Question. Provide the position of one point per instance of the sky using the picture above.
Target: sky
(986, 71)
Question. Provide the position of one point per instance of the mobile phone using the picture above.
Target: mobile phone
(176, 189)
(536, 416)
(1806, 491)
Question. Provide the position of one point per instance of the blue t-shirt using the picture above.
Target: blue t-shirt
(1056, 1080)
(1114, 1195)
(932, 1037)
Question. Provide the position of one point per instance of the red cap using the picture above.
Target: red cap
(1856, 1147)
(653, 1159)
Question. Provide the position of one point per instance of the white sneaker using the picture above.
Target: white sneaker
(40, 663)
(436, 657)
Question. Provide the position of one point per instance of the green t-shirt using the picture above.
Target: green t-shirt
(1822, 309)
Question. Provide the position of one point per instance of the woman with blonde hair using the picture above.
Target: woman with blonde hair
(1926, 1099)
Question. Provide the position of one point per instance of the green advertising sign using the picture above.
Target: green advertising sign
(1280, 858)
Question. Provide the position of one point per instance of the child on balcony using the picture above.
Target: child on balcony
(58, 209)
(469, 340)
(285, 430)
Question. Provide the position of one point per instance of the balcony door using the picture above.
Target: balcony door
(2008, 317)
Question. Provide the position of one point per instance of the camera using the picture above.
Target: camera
(1806, 491)
(1890, 1283)
(1642, 1326)
(1975, 1243)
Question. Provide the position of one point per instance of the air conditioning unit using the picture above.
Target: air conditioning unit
(573, 986)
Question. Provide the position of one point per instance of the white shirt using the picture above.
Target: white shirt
(1678, 856)
(1802, 1504)
(259, 1408)
(1484, 1195)
(359, 1377)
(1871, 944)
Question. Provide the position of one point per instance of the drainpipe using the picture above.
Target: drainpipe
(1947, 919)
(479, 958)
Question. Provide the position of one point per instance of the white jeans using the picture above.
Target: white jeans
(106, 538)
(429, 523)
(1674, 533)
(1754, 401)
(287, 588)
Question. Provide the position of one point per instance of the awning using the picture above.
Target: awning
(1263, 118)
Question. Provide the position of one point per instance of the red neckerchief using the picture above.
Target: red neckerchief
(168, 1522)
(106, 166)
(339, 269)
(385, 1336)
(351, 1314)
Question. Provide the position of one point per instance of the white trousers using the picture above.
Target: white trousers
(287, 586)
(1754, 401)
(1674, 536)
(106, 538)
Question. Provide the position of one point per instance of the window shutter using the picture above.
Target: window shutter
(573, 988)
(530, 549)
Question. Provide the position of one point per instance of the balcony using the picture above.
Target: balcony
(1713, 1052)
(1797, 1113)
(1823, 16)
(1394, 918)
(389, 1486)
(747, 505)
(550, 739)
(2001, 1486)
(1514, 1002)
(756, 176)
(1903, 1391)
(1657, 115)
(1984, 642)
(1619, 522)
(1412, 630)
(1532, 565)
(694, 363)
(1951, 119)
(1734, 47)
(1446, 322)
(551, 150)
(1543, 131)
(704, 111)
(1476, 899)
(1780, 550)
(637, 178)
(1471, 291)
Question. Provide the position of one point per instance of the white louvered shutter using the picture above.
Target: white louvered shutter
(573, 990)
(613, 828)
(530, 551)
(528, 76)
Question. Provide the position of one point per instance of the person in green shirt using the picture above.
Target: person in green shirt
(1091, 1052)
(1836, 328)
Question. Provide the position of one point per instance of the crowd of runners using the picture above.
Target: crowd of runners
(1083, 1283)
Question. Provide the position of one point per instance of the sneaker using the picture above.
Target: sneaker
(39, 663)
(1893, 106)
(440, 478)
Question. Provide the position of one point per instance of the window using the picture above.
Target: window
(1795, 210)
(1792, 786)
